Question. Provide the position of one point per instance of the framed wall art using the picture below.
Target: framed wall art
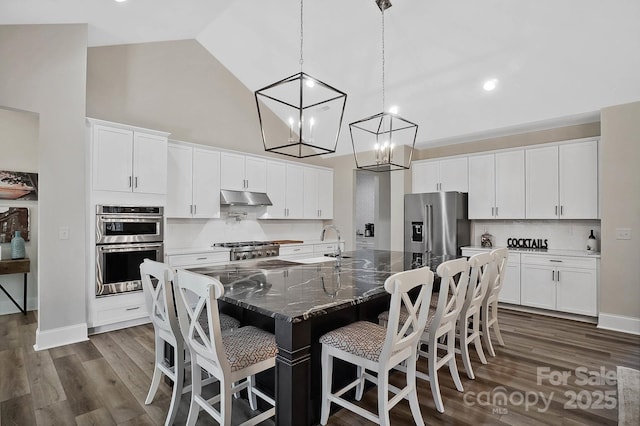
(18, 185)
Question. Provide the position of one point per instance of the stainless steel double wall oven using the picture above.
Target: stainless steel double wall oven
(125, 236)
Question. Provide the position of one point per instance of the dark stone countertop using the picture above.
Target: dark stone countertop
(284, 289)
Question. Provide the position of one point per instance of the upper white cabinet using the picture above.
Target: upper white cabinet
(448, 174)
(285, 189)
(562, 181)
(243, 173)
(193, 189)
(496, 185)
(318, 193)
(128, 159)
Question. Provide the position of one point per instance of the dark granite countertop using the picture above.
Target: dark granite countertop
(284, 289)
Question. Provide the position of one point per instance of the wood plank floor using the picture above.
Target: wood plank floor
(104, 381)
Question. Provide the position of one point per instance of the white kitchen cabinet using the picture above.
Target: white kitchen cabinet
(243, 173)
(193, 189)
(194, 260)
(327, 248)
(448, 174)
(128, 159)
(285, 189)
(562, 181)
(496, 185)
(318, 193)
(510, 291)
(296, 251)
(560, 283)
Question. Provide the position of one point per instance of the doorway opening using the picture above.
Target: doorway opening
(373, 210)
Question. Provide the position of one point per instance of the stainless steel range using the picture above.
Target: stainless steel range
(242, 250)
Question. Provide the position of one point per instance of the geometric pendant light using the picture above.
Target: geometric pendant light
(300, 116)
(385, 141)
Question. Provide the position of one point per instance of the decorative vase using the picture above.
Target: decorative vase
(17, 246)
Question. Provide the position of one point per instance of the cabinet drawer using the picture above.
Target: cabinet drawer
(559, 261)
(198, 259)
(126, 312)
(326, 248)
(296, 250)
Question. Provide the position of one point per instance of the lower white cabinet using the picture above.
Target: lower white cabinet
(300, 251)
(327, 248)
(565, 284)
(109, 311)
(194, 260)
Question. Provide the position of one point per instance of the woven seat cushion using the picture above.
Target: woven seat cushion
(249, 345)
(364, 339)
(226, 322)
(404, 315)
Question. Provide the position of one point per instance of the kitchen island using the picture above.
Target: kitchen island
(299, 302)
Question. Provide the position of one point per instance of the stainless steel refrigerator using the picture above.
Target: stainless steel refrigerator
(436, 226)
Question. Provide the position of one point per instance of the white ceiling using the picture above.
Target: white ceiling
(558, 62)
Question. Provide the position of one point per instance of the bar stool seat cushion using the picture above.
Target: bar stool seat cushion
(226, 322)
(364, 339)
(249, 345)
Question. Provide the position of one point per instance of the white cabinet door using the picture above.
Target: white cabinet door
(454, 175)
(325, 194)
(542, 183)
(310, 209)
(538, 288)
(232, 171)
(481, 187)
(510, 187)
(295, 191)
(577, 291)
(206, 183)
(578, 180)
(276, 190)
(510, 291)
(255, 172)
(112, 159)
(179, 181)
(425, 177)
(149, 163)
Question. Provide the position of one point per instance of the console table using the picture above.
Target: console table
(18, 266)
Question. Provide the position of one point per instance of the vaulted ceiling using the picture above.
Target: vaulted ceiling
(556, 62)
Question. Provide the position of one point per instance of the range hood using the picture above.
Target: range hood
(244, 198)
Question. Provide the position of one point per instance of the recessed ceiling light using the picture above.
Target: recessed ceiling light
(120, 1)
(393, 109)
(490, 84)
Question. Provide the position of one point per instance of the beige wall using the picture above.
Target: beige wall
(512, 141)
(177, 87)
(43, 70)
(620, 203)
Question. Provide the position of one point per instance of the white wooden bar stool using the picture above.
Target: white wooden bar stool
(162, 311)
(234, 356)
(469, 319)
(374, 348)
(454, 277)
(490, 302)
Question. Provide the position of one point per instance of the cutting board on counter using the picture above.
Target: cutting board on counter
(288, 241)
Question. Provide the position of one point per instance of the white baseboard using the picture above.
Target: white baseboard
(119, 325)
(619, 323)
(60, 336)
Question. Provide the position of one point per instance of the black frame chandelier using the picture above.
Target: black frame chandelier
(385, 141)
(300, 116)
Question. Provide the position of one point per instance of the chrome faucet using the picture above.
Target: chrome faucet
(338, 252)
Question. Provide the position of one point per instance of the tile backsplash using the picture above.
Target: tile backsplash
(183, 233)
(562, 234)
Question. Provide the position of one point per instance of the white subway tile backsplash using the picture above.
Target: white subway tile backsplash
(562, 234)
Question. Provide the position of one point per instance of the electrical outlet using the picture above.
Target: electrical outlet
(63, 233)
(623, 233)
